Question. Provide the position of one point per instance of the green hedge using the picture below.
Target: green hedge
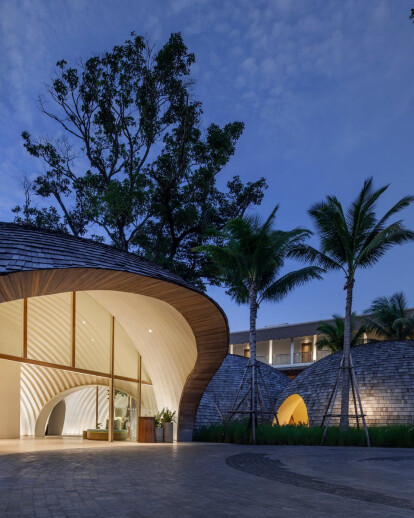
(238, 432)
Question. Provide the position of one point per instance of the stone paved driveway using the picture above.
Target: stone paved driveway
(207, 480)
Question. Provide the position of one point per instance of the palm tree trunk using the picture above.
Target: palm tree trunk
(344, 420)
(253, 316)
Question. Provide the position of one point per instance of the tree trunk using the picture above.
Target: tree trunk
(344, 420)
(253, 316)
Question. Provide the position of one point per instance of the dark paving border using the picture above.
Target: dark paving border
(395, 459)
(261, 465)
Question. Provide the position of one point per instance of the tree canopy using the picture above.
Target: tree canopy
(353, 239)
(390, 318)
(131, 162)
(333, 333)
(249, 260)
(251, 257)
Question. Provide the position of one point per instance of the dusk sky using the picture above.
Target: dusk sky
(324, 87)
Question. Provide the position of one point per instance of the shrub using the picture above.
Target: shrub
(167, 416)
(238, 432)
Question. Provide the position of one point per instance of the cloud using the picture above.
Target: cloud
(292, 70)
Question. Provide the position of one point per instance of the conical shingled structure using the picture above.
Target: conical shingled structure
(220, 393)
(385, 376)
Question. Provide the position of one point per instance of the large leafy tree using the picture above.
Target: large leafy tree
(249, 263)
(390, 318)
(131, 163)
(350, 240)
(333, 333)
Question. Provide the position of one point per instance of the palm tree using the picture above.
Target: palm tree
(389, 318)
(249, 263)
(350, 240)
(333, 333)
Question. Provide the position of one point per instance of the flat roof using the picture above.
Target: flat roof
(280, 332)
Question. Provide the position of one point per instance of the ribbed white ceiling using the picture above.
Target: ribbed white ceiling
(168, 351)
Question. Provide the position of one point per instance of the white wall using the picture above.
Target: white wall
(9, 400)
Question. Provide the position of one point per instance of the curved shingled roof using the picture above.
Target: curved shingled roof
(220, 393)
(24, 248)
(385, 376)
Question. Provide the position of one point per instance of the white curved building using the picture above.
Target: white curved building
(87, 325)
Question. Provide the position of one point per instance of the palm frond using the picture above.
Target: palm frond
(378, 244)
(333, 333)
(249, 254)
(310, 254)
(278, 289)
(389, 318)
(357, 239)
(395, 209)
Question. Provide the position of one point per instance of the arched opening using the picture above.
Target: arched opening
(87, 407)
(56, 419)
(293, 411)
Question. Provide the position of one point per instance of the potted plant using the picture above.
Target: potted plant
(168, 419)
(159, 432)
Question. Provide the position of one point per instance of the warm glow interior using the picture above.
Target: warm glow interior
(293, 411)
(142, 326)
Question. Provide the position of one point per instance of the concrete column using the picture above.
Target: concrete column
(365, 338)
(231, 351)
(314, 338)
(292, 350)
(270, 352)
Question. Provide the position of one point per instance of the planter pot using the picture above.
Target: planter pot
(168, 432)
(159, 435)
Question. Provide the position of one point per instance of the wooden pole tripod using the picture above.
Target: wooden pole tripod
(252, 371)
(359, 413)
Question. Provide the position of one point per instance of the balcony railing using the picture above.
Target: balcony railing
(298, 358)
(322, 354)
(281, 359)
(302, 357)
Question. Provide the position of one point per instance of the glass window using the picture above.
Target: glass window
(93, 334)
(49, 325)
(126, 354)
(11, 327)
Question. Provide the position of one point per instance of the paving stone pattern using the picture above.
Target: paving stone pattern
(385, 376)
(261, 465)
(199, 480)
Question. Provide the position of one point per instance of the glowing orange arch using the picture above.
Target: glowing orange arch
(293, 411)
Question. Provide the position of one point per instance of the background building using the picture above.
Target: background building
(287, 347)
